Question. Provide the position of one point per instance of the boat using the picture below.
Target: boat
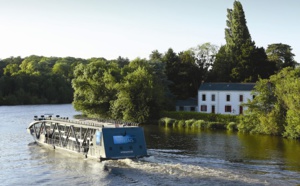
(100, 139)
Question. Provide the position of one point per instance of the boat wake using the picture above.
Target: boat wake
(164, 167)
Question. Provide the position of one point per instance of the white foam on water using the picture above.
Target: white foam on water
(181, 173)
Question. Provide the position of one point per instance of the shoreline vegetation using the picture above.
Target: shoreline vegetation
(199, 120)
(236, 123)
(199, 124)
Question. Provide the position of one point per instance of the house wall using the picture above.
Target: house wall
(233, 105)
(187, 108)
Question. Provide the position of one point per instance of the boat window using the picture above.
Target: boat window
(98, 138)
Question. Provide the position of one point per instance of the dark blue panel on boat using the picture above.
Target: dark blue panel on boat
(124, 142)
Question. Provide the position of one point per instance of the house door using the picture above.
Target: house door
(241, 110)
(213, 109)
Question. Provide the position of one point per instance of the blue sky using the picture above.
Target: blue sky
(134, 28)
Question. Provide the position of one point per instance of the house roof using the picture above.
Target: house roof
(227, 86)
(187, 102)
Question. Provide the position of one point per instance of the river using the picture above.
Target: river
(177, 157)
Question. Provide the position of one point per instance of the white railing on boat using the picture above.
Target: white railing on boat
(94, 123)
(71, 146)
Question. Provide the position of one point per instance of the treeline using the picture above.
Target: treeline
(36, 80)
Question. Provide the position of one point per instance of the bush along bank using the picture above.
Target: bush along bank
(199, 120)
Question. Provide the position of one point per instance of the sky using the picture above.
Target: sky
(135, 28)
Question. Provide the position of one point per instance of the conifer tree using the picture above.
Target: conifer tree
(242, 59)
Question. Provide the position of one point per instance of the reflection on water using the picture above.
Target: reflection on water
(272, 149)
(179, 156)
(225, 145)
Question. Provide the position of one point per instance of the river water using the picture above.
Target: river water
(177, 157)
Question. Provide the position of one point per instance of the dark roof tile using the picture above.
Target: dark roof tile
(227, 86)
(187, 102)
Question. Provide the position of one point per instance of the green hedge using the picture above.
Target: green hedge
(192, 123)
(199, 120)
(200, 116)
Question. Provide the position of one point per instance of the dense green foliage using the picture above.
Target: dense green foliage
(94, 86)
(281, 55)
(36, 80)
(276, 107)
(134, 92)
(187, 69)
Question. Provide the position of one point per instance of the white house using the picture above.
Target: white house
(224, 98)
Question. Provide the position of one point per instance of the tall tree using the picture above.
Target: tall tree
(239, 60)
(239, 44)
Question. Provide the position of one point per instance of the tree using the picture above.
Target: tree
(94, 87)
(12, 61)
(143, 91)
(189, 76)
(135, 96)
(172, 61)
(155, 55)
(62, 68)
(281, 55)
(205, 56)
(185, 72)
(239, 58)
(275, 109)
(122, 61)
(239, 44)
(221, 68)
(30, 64)
(11, 69)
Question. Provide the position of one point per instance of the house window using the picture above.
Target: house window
(181, 108)
(213, 97)
(228, 108)
(203, 97)
(193, 109)
(241, 98)
(227, 97)
(203, 108)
